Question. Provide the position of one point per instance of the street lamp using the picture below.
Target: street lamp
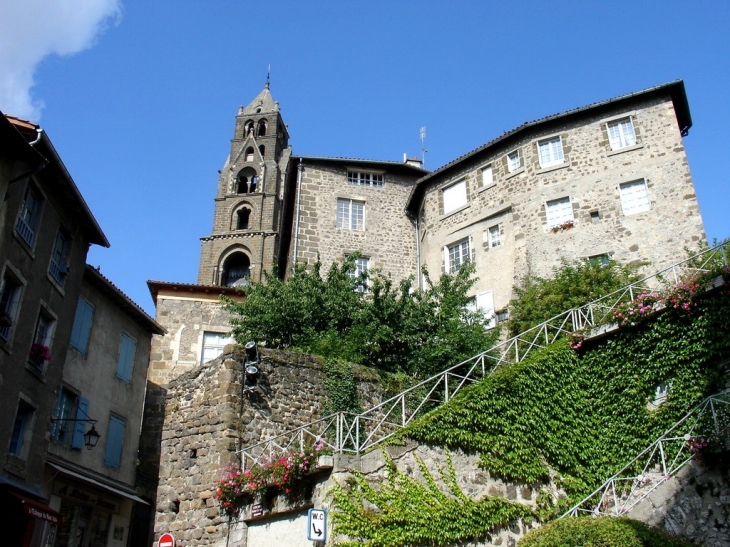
(91, 437)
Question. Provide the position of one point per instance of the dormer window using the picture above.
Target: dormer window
(359, 178)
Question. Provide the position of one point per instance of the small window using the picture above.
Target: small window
(502, 316)
(64, 415)
(40, 351)
(559, 212)
(58, 267)
(595, 217)
(29, 217)
(362, 264)
(359, 178)
(513, 161)
(600, 260)
(213, 344)
(621, 133)
(242, 217)
(454, 196)
(487, 177)
(9, 303)
(249, 153)
(114, 441)
(495, 239)
(550, 152)
(350, 214)
(457, 255)
(125, 363)
(82, 326)
(21, 432)
(262, 150)
(634, 197)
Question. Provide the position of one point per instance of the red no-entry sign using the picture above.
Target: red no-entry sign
(166, 540)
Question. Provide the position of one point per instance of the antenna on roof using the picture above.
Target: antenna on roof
(268, 76)
(423, 146)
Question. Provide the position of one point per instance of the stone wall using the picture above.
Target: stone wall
(590, 176)
(207, 419)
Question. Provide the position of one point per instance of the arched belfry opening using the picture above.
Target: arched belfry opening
(242, 219)
(248, 128)
(246, 181)
(236, 270)
(248, 155)
(261, 130)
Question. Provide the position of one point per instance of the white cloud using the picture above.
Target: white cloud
(30, 30)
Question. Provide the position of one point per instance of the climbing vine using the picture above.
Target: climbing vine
(341, 387)
(403, 510)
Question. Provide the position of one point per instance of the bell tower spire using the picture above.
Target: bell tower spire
(248, 205)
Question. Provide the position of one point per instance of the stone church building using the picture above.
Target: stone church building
(610, 179)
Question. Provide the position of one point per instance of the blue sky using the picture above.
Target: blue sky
(139, 97)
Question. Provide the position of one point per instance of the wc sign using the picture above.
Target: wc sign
(317, 525)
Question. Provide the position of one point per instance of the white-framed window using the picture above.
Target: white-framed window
(125, 361)
(29, 217)
(456, 255)
(58, 267)
(350, 214)
(9, 303)
(454, 196)
(550, 152)
(559, 211)
(487, 176)
(359, 178)
(362, 264)
(213, 344)
(513, 161)
(66, 411)
(484, 303)
(114, 441)
(495, 238)
(634, 197)
(22, 428)
(621, 133)
(82, 326)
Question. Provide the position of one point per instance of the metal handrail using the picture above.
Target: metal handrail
(386, 417)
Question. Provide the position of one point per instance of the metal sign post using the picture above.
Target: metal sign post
(317, 525)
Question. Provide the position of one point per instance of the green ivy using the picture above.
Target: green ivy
(341, 387)
(584, 415)
(403, 510)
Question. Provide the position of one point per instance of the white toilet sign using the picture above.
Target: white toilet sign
(317, 525)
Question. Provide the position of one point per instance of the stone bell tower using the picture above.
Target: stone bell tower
(248, 206)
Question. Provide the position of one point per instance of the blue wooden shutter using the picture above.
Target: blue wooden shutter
(82, 325)
(77, 441)
(114, 441)
(125, 364)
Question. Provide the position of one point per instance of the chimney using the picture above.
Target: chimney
(413, 162)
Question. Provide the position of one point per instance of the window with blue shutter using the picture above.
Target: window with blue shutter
(82, 326)
(125, 364)
(114, 441)
(82, 410)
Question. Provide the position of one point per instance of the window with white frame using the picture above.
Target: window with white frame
(487, 176)
(350, 214)
(359, 178)
(40, 351)
(495, 239)
(362, 264)
(114, 441)
(454, 196)
(513, 161)
(65, 413)
(484, 304)
(21, 432)
(125, 361)
(634, 197)
(213, 344)
(559, 211)
(58, 267)
(550, 152)
(621, 133)
(29, 217)
(9, 303)
(457, 255)
(82, 326)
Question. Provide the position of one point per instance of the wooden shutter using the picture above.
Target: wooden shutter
(82, 413)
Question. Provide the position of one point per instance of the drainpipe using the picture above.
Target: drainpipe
(300, 168)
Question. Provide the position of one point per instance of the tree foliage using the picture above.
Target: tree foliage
(600, 532)
(573, 284)
(393, 327)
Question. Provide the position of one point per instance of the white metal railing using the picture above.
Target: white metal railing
(657, 462)
(355, 433)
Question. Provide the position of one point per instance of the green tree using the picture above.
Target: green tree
(573, 284)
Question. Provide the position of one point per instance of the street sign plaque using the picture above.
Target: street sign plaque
(317, 525)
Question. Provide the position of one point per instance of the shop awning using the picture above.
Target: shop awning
(99, 484)
(38, 510)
